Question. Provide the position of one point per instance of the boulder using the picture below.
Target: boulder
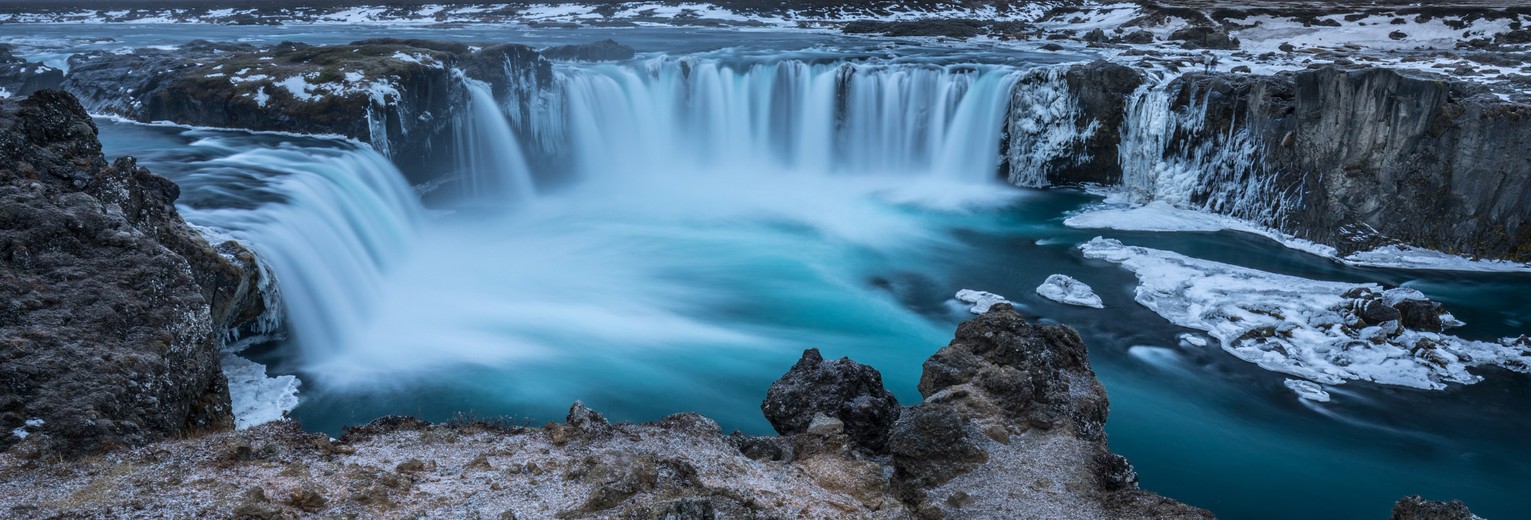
(116, 309)
(840, 389)
(1416, 507)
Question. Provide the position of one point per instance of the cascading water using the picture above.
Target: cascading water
(669, 114)
(489, 160)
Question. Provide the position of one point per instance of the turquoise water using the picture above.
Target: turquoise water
(693, 288)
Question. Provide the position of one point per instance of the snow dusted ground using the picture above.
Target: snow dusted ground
(1307, 328)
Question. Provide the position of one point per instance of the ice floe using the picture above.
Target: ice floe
(1307, 390)
(1064, 289)
(257, 399)
(980, 300)
(1307, 328)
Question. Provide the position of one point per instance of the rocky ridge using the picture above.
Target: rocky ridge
(1011, 425)
(116, 308)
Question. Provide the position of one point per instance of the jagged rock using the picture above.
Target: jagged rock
(1030, 376)
(1419, 315)
(116, 308)
(1097, 89)
(1415, 507)
(843, 389)
(604, 50)
(19, 77)
(584, 419)
(1205, 38)
(1378, 311)
(931, 444)
(1138, 37)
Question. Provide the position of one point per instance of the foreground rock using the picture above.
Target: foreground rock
(1417, 508)
(1010, 427)
(114, 309)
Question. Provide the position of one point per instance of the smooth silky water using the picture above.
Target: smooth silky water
(706, 227)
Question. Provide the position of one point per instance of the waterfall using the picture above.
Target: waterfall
(694, 114)
(327, 220)
(489, 158)
(1043, 127)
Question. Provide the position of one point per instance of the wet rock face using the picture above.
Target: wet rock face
(19, 77)
(1369, 157)
(1417, 508)
(999, 366)
(1098, 91)
(114, 308)
(842, 389)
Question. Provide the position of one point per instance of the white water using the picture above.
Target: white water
(670, 114)
(489, 158)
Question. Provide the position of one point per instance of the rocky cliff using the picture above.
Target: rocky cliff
(1354, 157)
(404, 97)
(1011, 426)
(115, 309)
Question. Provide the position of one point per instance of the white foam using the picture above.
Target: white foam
(1066, 290)
(1299, 326)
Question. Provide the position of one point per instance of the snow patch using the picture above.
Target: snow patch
(1306, 328)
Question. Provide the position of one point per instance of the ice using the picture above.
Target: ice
(980, 300)
(1064, 289)
(1308, 390)
(1405, 257)
(1306, 328)
(1193, 340)
(258, 399)
(1161, 216)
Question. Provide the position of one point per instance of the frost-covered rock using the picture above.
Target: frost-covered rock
(1307, 390)
(1066, 290)
(1308, 328)
(981, 300)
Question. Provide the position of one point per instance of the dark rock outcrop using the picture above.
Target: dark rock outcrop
(1417, 508)
(842, 389)
(1095, 92)
(1205, 38)
(604, 50)
(116, 309)
(19, 77)
(401, 96)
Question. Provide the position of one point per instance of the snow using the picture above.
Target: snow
(1302, 327)
(1193, 340)
(1066, 290)
(1161, 216)
(261, 97)
(258, 399)
(298, 86)
(1405, 257)
(20, 433)
(1308, 390)
(981, 300)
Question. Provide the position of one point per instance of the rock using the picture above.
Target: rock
(948, 27)
(308, 499)
(116, 308)
(1096, 36)
(1030, 376)
(825, 426)
(1286, 47)
(19, 77)
(1422, 315)
(1241, 69)
(1051, 47)
(1139, 37)
(841, 389)
(1205, 38)
(1378, 311)
(1415, 507)
(931, 444)
(586, 420)
(604, 50)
